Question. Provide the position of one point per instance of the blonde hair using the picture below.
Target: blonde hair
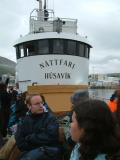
(29, 97)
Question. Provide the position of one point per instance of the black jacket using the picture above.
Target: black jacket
(36, 131)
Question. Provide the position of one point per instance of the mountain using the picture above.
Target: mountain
(7, 66)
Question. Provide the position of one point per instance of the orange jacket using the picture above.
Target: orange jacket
(112, 105)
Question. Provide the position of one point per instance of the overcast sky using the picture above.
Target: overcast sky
(99, 20)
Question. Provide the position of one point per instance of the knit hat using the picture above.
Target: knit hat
(78, 96)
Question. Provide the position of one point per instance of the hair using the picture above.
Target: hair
(114, 95)
(29, 97)
(79, 96)
(3, 87)
(24, 95)
(101, 132)
(118, 106)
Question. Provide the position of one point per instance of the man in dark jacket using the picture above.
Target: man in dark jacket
(37, 135)
(4, 109)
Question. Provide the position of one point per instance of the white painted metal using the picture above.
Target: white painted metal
(48, 35)
(51, 69)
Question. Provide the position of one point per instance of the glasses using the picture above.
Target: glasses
(38, 104)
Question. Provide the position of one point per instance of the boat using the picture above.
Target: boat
(52, 59)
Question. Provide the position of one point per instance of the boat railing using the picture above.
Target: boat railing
(42, 13)
(40, 22)
(37, 14)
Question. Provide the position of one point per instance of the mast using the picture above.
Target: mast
(44, 4)
(46, 14)
(40, 14)
(40, 4)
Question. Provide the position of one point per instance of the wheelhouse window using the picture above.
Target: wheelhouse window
(52, 46)
(81, 50)
(71, 47)
(21, 51)
(58, 45)
(30, 49)
(86, 51)
(17, 53)
(43, 47)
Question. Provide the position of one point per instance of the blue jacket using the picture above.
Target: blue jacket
(75, 155)
(36, 131)
(12, 119)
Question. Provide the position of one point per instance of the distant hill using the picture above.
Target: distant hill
(7, 66)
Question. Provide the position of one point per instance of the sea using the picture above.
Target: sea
(101, 94)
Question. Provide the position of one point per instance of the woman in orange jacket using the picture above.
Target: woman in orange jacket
(114, 102)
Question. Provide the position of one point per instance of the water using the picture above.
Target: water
(102, 94)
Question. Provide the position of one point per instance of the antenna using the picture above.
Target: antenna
(44, 4)
(40, 13)
(46, 14)
(40, 4)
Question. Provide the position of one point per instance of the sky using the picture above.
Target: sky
(99, 20)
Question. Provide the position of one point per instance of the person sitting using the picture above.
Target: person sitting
(38, 134)
(4, 109)
(79, 96)
(18, 112)
(13, 94)
(76, 98)
(95, 131)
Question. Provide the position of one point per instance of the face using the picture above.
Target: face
(76, 132)
(36, 105)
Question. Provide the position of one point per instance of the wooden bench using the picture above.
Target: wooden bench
(10, 150)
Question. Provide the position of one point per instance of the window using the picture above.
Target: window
(52, 46)
(81, 49)
(86, 51)
(17, 52)
(25, 51)
(58, 46)
(43, 47)
(71, 47)
(21, 50)
(30, 48)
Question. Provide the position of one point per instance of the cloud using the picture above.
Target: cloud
(99, 20)
(108, 64)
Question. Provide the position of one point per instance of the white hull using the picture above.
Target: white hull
(52, 53)
(52, 70)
